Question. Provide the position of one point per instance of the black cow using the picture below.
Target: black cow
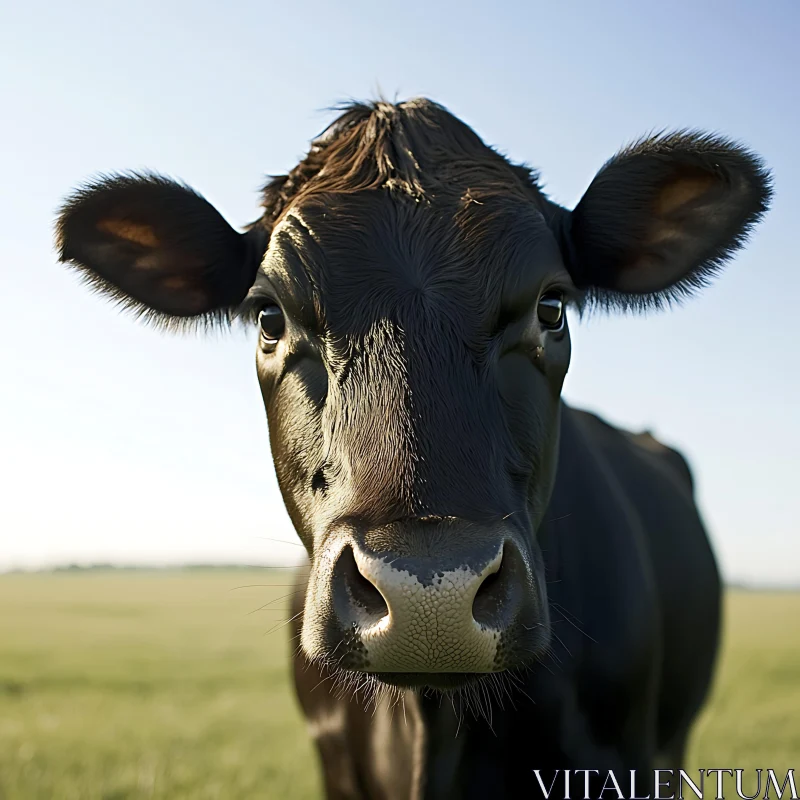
(474, 543)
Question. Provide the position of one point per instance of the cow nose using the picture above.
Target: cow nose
(428, 614)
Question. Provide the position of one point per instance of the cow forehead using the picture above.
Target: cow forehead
(368, 258)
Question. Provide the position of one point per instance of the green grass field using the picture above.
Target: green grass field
(142, 684)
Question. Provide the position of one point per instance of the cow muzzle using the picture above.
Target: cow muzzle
(449, 599)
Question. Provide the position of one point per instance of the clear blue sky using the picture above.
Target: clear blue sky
(120, 443)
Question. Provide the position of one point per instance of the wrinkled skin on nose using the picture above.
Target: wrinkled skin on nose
(449, 597)
(429, 624)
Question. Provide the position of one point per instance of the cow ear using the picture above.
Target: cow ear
(157, 247)
(661, 217)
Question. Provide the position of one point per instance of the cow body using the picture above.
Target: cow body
(498, 584)
(635, 592)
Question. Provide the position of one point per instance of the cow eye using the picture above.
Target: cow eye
(271, 322)
(551, 311)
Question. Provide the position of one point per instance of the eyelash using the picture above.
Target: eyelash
(251, 307)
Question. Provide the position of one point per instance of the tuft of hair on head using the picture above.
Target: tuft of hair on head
(403, 147)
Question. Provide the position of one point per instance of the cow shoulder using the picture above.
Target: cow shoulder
(673, 459)
(657, 480)
(624, 449)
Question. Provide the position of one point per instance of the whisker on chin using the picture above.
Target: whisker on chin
(280, 541)
(477, 700)
(283, 624)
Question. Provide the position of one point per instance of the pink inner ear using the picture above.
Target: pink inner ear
(176, 293)
(172, 283)
(671, 237)
(176, 285)
(649, 273)
(678, 194)
(134, 232)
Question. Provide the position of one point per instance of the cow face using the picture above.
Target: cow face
(411, 358)
(409, 287)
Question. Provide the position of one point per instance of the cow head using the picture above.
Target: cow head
(409, 286)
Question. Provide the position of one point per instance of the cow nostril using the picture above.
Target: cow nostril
(362, 591)
(491, 605)
(488, 598)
